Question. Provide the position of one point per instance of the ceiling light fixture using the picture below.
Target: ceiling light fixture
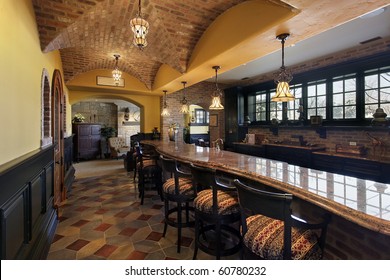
(116, 73)
(283, 77)
(217, 94)
(165, 112)
(140, 28)
(184, 107)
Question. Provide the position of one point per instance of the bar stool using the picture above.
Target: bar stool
(216, 213)
(179, 190)
(149, 172)
(270, 231)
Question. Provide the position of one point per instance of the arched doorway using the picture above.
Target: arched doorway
(57, 97)
(197, 126)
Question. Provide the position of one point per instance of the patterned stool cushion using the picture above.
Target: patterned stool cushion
(147, 163)
(265, 238)
(227, 202)
(185, 186)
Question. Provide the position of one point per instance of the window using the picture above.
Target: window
(316, 99)
(377, 91)
(201, 116)
(344, 94)
(261, 106)
(344, 97)
(293, 106)
(276, 108)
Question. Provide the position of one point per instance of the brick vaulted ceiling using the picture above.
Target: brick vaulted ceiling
(89, 32)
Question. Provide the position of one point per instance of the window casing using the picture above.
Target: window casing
(261, 106)
(201, 116)
(293, 106)
(344, 97)
(376, 91)
(316, 99)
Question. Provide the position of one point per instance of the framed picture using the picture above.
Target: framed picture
(109, 81)
(213, 121)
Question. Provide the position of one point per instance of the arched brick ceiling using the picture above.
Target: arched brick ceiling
(89, 32)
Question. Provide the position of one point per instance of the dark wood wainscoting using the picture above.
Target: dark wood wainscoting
(28, 219)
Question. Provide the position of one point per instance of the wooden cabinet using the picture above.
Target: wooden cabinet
(248, 149)
(86, 141)
(352, 166)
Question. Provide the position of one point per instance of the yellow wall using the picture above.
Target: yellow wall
(21, 65)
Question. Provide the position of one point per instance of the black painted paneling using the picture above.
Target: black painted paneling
(28, 219)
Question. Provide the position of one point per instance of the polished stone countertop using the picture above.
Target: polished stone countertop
(364, 202)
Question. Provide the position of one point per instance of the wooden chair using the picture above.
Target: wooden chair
(270, 231)
(177, 189)
(217, 215)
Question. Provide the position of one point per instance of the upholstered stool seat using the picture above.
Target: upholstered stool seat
(178, 193)
(184, 188)
(265, 239)
(148, 171)
(271, 231)
(217, 215)
(146, 163)
(227, 202)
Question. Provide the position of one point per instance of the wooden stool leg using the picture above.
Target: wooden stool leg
(196, 236)
(179, 226)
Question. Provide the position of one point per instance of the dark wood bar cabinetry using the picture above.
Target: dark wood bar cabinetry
(86, 140)
(317, 158)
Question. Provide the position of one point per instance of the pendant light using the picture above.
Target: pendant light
(116, 73)
(184, 107)
(283, 77)
(217, 94)
(140, 28)
(165, 112)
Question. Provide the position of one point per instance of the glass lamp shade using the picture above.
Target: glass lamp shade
(165, 112)
(184, 109)
(116, 74)
(283, 93)
(140, 28)
(216, 103)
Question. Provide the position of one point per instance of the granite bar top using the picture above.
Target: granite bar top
(364, 202)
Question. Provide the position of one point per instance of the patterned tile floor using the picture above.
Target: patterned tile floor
(103, 219)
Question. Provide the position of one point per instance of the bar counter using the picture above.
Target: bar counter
(362, 202)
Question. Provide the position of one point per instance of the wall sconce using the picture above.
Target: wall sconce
(217, 94)
(165, 112)
(184, 107)
(283, 77)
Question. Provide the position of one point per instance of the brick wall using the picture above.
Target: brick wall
(360, 51)
(342, 136)
(199, 94)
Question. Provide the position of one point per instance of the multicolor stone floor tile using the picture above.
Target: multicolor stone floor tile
(102, 219)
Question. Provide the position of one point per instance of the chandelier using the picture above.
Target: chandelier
(184, 107)
(217, 94)
(140, 28)
(283, 77)
(165, 112)
(116, 73)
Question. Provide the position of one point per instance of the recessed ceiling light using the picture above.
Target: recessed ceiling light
(373, 13)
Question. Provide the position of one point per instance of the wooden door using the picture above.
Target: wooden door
(58, 139)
